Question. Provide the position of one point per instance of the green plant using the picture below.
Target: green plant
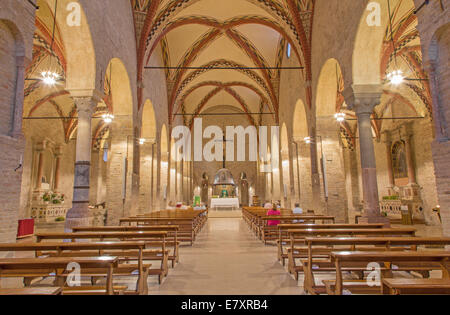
(60, 219)
(391, 198)
(46, 197)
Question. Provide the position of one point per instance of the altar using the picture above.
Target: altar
(231, 203)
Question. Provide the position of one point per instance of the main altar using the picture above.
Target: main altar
(228, 203)
(224, 191)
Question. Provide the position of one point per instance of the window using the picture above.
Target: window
(288, 50)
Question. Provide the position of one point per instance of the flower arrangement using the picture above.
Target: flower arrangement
(53, 198)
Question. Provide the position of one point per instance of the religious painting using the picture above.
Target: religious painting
(399, 165)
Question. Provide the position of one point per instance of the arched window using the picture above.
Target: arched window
(288, 50)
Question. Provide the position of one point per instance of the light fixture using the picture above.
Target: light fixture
(307, 140)
(49, 77)
(108, 118)
(141, 141)
(396, 77)
(340, 117)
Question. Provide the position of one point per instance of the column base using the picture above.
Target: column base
(78, 215)
(374, 220)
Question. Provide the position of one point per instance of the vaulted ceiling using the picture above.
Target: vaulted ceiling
(249, 35)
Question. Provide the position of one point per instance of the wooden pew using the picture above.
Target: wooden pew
(159, 252)
(319, 251)
(125, 251)
(17, 267)
(171, 239)
(270, 233)
(190, 222)
(387, 258)
(283, 237)
(32, 291)
(297, 237)
(259, 226)
(416, 286)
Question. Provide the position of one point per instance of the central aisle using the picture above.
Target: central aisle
(227, 259)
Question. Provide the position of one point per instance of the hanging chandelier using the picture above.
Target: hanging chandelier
(108, 118)
(340, 117)
(50, 77)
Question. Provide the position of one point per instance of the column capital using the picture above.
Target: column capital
(363, 98)
(41, 146)
(85, 104)
(58, 150)
(94, 94)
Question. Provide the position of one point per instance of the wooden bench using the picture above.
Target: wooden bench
(387, 259)
(416, 286)
(297, 237)
(190, 223)
(152, 239)
(125, 251)
(283, 237)
(56, 267)
(319, 250)
(171, 238)
(32, 291)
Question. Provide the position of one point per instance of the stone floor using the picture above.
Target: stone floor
(227, 259)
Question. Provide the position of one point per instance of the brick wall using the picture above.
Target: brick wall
(15, 38)
(434, 32)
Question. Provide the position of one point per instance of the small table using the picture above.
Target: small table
(232, 203)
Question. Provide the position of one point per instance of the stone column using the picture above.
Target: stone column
(79, 214)
(363, 99)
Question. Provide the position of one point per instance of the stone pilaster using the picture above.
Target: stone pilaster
(333, 168)
(316, 201)
(95, 173)
(16, 130)
(58, 153)
(390, 170)
(363, 99)
(119, 171)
